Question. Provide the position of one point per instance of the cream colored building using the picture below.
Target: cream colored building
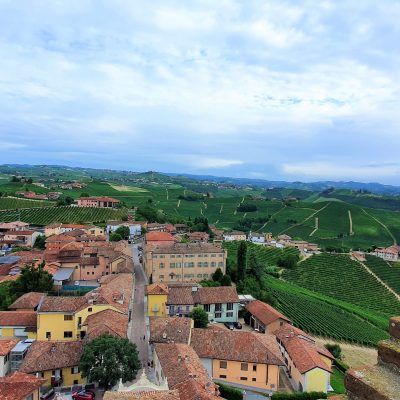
(183, 261)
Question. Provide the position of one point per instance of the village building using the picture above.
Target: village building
(177, 366)
(18, 324)
(20, 386)
(156, 295)
(159, 238)
(57, 362)
(135, 227)
(170, 330)
(257, 238)
(199, 237)
(183, 261)
(156, 227)
(26, 302)
(101, 202)
(389, 253)
(109, 321)
(6, 345)
(13, 226)
(243, 359)
(264, 318)
(21, 237)
(234, 236)
(143, 395)
(308, 365)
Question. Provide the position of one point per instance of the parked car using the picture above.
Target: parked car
(229, 325)
(84, 395)
(237, 325)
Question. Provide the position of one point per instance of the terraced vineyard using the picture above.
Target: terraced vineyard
(267, 256)
(318, 317)
(389, 273)
(12, 203)
(47, 215)
(342, 278)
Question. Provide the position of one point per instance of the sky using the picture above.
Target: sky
(292, 90)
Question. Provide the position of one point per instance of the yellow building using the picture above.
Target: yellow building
(243, 359)
(19, 324)
(308, 365)
(157, 294)
(183, 261)
(56, 362)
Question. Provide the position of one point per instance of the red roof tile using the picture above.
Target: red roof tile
(18, 318)
(27, 301)
(18, 386)
(157, 288)
(264, 312)
(159, 237)
(6, 345)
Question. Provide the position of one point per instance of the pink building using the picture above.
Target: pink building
(102, 202)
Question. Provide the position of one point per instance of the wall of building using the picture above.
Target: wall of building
(68, 378)
(265, 377)
(158, 302)
(225, 314)
(17, 331)
(4, 365)
(316, 380)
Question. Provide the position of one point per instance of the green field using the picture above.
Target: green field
(344, 279)
(47, 215)
(11, 203)
(387, 272)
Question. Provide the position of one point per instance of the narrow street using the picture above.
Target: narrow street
(138, 330)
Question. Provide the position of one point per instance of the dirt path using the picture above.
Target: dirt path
(179, 203)
(353, 355)
(380, 281)
(382, 224)
(222, 207)
(316, 226)
(167, 193)
(273, 215)
(351, 224)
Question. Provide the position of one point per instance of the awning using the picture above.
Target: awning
(63, 274)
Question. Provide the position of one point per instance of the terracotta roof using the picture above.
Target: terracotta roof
(52, 226)
(8, 278)
(264, 312)
(62, 303)
(199, 235)
(107, 321)
(157, 288)
(185, 248)
(59, 238)
(222, 344)
(159, 237)
(74, 226)
(18, 386)
(303, 351)
(170, 329)
(50, 355)
(109, 199)
(18, 318)
(20, 233)
(148, 395)
(28, 300)
(191, 389)
(6, 345)
(180, 364)
(180, 296)
(216, 295)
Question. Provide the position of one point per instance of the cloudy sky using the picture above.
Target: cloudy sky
(294, 90)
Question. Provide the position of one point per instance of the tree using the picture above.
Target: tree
(84, 194)
(123, 231)
(335, 350)
(288, 261)
(40, 242)
(217, 275)
(226, 281)
(241, 260)
(107, 359)
(33, 279)
(115, 237)
(65, 201)
(253, 266)
(200, 317)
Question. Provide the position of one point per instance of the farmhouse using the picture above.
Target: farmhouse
(199, 237)
(22, 237)
(101, 202)
(255, 237)
(183, 261)
(389, 253)
(235, 235)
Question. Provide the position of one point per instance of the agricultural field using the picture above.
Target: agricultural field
(323, 316)
(13, 203)
(47, 215)
(266, 256)
(325, 273)
(388, 272)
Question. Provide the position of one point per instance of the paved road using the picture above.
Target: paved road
(138, 330)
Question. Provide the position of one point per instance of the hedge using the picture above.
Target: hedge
(340, 365)
(300, 396)
(230, 393)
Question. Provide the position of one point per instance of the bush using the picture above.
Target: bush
(230, 393)
(335, 350)
(247, 208)
(342, 366)
(300, 396)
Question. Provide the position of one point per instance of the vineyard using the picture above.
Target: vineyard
(389, 273)
(320, 318)
(47, 215)
(342, 278)
(267, 256)
(12, 203)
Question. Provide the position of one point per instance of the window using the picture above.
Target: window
(90, 309)
(68, 317)
(162, 256)
(161, 276)
(223, 364)
(220, 264)
(48, 335)
(243, 378)
(199, 264)
(207, 307)
(213, 255)
(222, 376)
(205, 264)
(205, 275)
(219, 255)
(229, 314)
(161, 265)
(253, 379)
(67, 334)
(76, 382)
(172, 265)
(218, 315)
(213, 264)
(244, 366)
(199, 275)
(218, 307)
(87, 273)
(75, 370)
(254, 368)
(229, 306)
